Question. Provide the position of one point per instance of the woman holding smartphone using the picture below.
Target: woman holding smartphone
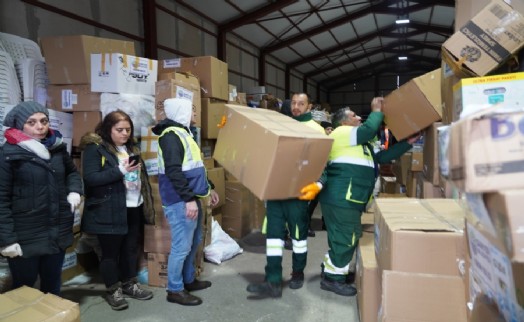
(118, 195)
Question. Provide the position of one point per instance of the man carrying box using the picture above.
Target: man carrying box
(290, 212)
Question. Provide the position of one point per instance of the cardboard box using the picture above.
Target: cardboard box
(447, 81)
(62, 122)
(414, 105)
(388, 184)
(237, 209)
(430, 152)
(426, 189)
(471, 95)
(486, 41)
(157, 239)
(505, 211)
(217, 176)
(417, 161)
(84, 122)
(485, 151)
(29, 304)
(411, 185)
(212, 73)
(182, 85)
(401, 168)
(422, 298)
(419, 236)
(212, 112)
(273, 155)
(123, 74)
(157, 269)
(367, 280)
(68, 58)
(494, 272)
(70, 98)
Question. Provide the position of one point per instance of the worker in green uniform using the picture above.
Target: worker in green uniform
(290, 212)
(351, 174)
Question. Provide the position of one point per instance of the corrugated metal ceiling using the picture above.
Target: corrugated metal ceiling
(339, 41)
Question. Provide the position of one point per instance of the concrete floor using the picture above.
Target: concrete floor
(227, 299)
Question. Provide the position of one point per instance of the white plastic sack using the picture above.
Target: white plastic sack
(222, 246)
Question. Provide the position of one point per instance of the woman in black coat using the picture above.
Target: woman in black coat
(39, 189)
(118, 196)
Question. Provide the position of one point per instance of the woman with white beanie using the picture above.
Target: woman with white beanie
(39, 190)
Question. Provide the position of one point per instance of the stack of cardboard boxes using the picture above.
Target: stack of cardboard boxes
(455, 259)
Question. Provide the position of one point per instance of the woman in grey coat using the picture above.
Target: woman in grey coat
(39, 189)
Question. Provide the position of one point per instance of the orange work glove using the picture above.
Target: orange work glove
(310, 191)
(223, 122)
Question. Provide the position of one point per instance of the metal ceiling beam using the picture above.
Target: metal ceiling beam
(391, 62)
(415, 45)
(354, 42)
(253, 16)
(325, 27)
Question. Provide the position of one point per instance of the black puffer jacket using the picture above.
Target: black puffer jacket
(105, 210)
(34, 211)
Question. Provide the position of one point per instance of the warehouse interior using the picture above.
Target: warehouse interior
(441, 238)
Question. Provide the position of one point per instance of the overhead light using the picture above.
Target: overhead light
(401, 21)
(402, 58)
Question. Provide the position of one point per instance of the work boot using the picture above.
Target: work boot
(340, 288)
(197, 285)
(183, 298)
(132, 289)
(266, 289)
(115, 298)
(297, 280)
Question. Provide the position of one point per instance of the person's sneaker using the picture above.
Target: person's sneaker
(116, 300)
(311, 233)
(197, 285)
(340, 288)
(266, 289)
(288, 244)
(133, 290)
(183, 298)
(297, 280)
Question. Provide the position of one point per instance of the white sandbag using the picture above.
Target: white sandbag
(222, 246)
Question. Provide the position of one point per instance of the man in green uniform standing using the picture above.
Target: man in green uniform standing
(290, 212)
(351, 174)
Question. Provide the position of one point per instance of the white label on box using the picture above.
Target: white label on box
(184, 93)
(70, 260)
(494, 274)
(172, 63)
(67, 99)
(151, 167)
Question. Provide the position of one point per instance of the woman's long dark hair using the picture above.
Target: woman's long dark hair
(104, 128)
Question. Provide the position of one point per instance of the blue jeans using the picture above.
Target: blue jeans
(25, 271)
(186, 235)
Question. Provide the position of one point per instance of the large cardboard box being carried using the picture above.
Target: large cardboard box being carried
(485, 151)
(68, 58)
(212, 73)
(273, 155)
(29, 304)
(419, 236)
(414, 105)
(486, 41)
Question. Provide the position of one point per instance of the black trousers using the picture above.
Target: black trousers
(119, 262)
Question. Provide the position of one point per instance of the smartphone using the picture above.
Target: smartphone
(134, 159)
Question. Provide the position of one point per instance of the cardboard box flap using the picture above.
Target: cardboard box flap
(422, 215)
